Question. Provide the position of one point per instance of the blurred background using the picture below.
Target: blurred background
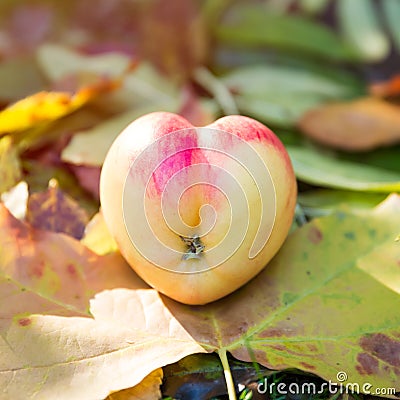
(323, 74)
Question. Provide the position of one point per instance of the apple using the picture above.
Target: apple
(197, 211)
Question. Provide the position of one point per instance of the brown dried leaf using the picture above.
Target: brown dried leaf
(357, 125)
(55, 211)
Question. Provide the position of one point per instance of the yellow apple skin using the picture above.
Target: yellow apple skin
(195, 280)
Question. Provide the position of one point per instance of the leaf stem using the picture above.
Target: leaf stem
(300, 216)
(227, 373)
(220, 92)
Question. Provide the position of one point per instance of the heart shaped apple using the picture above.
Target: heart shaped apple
(197, 212)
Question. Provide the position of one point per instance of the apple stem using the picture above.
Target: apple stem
(195, 247)
(228, 375)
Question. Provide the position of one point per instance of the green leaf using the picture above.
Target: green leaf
(280, 95)
(391, 10)
(316, 203)
(324, 170)
(275, 79)
(255, 26)
(313, 6)
(386, 158)
(283, 111)
(360, 26)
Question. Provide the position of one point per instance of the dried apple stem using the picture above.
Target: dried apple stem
(228, 375)
(195, 247)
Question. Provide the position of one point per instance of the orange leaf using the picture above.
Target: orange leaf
(389, 88)
(47, 272)
(358, 125)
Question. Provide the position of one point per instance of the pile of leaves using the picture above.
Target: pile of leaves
(75, 320)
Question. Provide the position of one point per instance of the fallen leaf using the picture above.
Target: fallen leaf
(94, 359)
(391, 12)
(16, 200)
(55, 211)
(305, 307)
(147, 389)
(38, 175)
(281, 95)
(52, 132)
(20, 77)
(143, 87)
(97, 236)
(326, 170)
(313, 6)
(357, 125)
(46, 107)
(316, 203)
(10, 166)
(253, 26)
(142, 91)
(365, 34)
(97, 357)
(55, 274)
(271, 320)
(90, 147)
(389, 88)
(57, 62)
(47, 272)
(271, 80)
